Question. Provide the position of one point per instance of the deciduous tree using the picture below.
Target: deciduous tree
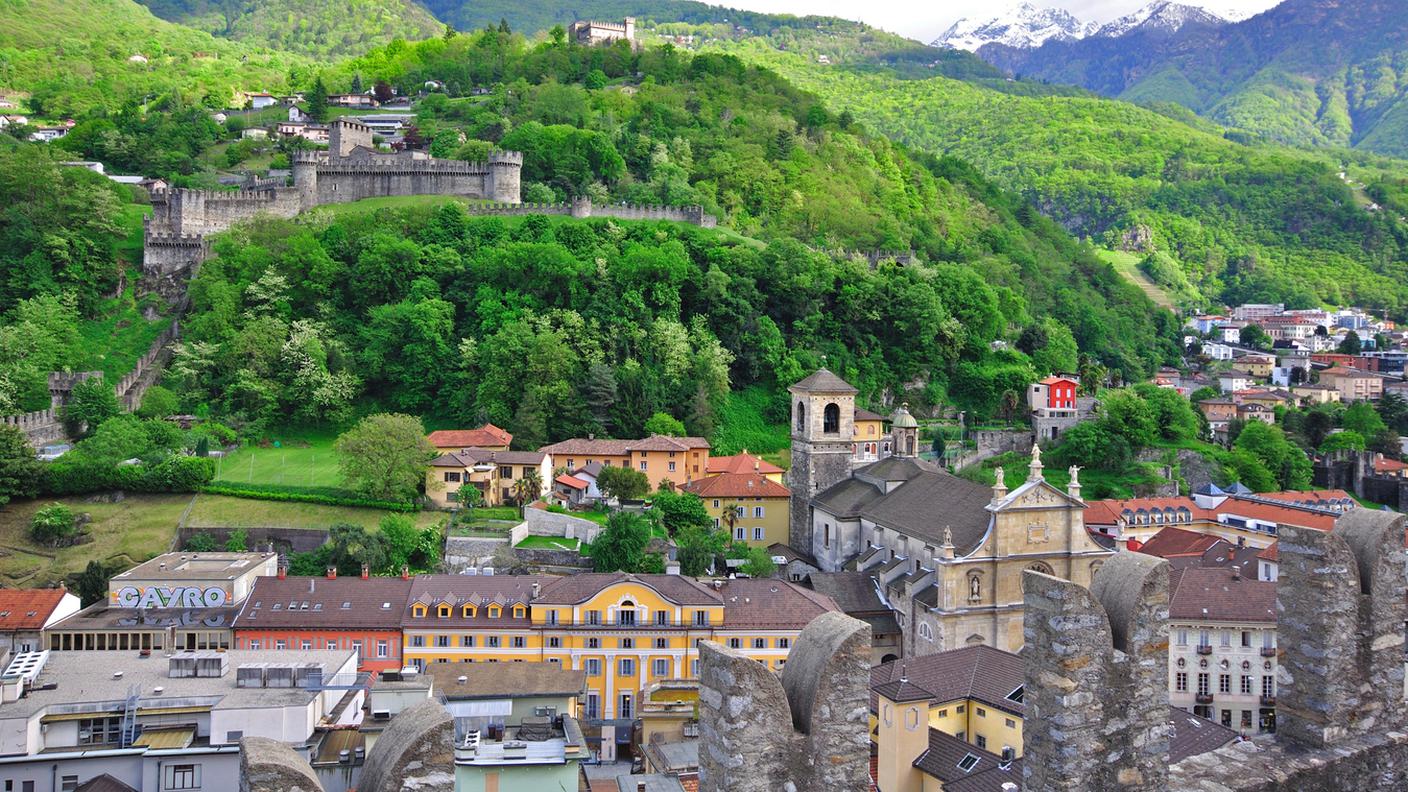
(384, 456)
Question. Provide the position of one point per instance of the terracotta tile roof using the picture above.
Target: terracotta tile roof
(823, 381)
(317, 603)
(1270, 553)
(1176, 541)
(737, 485)
(486, 435)
(477, 590)
(1299, 509)
(574, 589)
(981, 673)
(1054, 380)
(741, 463)
(900, 690)
(771, 603)
(1219, 594)
(666, 443)
(1384, 465)
(1193, 735)
(571, 481)
(862, 414)
(26, 610)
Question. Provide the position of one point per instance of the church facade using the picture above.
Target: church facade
(946, 554)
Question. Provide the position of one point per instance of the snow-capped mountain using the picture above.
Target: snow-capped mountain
(1161, 16)
(1024, 25)
(1027, 26)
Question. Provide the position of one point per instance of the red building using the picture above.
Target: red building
(1054, 393)
(312, 613)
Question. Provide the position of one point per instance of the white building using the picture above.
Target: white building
(1222, 647)
(161, 723)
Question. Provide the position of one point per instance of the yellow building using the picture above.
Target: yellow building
(953, 720)
(871, 442)
(494, 473)
(761, 508)
(660, 458)
(627, 632)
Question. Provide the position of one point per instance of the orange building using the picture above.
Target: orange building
(362, 615)
(678, 459)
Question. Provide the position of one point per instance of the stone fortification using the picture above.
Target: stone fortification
(417, 751)
(1096, 674)
(271, 766)
(803, 730)
(350, 171)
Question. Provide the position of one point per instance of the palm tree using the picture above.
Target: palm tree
(729, 518)
(527, 489)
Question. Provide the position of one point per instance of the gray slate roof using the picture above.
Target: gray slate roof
(928, 503)
(846, 499)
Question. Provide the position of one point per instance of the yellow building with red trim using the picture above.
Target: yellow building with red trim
(761, 508)
(627, 632)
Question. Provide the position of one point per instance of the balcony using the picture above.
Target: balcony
(1268, 701)
(1203, 698)
(1268, 651)
(1204, 649)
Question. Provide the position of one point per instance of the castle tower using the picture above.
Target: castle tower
(823, 425)
(346, 135)
(502, 184)
(305, 178)
(906, 432)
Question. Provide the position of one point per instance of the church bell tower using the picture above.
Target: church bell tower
(823, 427)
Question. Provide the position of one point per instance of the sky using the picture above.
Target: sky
(926, 20)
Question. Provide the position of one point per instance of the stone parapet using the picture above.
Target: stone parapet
(805, 731)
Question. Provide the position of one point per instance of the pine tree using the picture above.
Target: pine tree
(356, 83)
(318, 101)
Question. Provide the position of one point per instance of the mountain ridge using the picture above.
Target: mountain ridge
(1026, 26)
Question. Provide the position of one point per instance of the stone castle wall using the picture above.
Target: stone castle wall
(1096, 678)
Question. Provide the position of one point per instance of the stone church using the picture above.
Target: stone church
(944, 553)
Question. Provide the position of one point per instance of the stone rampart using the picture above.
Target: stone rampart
(803, 730)
(1096, 678)
(40, 427)
(541, 522)
(271, 766)
(415, 752)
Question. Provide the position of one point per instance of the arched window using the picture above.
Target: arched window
(925, 631)
(831, 419)
(1042, 567)
(801, 416)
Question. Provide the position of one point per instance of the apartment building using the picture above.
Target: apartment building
(660, 458)
(753, 508)
(1222, 647)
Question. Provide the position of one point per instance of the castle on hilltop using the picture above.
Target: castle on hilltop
(350, 170)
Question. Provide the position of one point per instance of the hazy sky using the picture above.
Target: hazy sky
(924, 21)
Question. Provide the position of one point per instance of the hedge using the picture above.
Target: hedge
(328, 496)
(173, 474)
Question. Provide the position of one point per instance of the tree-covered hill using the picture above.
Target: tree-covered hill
(1243, 220)
(1307, 72)
(311, 27)
(76, 56)
(561, 327)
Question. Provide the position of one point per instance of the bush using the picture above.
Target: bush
(328, 496)
(54, 526)
(173, 474)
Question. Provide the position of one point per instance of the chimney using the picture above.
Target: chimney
(1236, 572)
(283, 571)
(536, 588)
(405, 572)
(366, 571)
(640, 786)
(332, 573)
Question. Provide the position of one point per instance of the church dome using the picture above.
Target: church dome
(902, 419)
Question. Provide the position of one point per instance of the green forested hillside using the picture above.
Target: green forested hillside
(1307, 72)
(75, 56)
(1243, 221)
(560, 327)
(310, 27)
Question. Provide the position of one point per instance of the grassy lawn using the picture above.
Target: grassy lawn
(1119, 484)
(132, 531)
(550, 543)
(306, 460)
(212, 511)
(1127, 265)
(598, 517)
